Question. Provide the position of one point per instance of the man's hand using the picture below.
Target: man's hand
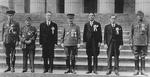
(17, 43)
(78, 45)
(40, 46)
(56, 44)
(62, 45)
(105, 46)
(28, 42)
(99, 44)
(120, 47)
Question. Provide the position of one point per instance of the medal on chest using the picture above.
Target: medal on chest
(143, 29)
(95, 27)
(12, 29)
(117, 30)
(73, 33)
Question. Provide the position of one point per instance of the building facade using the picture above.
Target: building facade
(77, 6)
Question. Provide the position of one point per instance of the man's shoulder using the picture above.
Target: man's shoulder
(118, 25)
(87, 23)
(42, 23)
(96, 22)
(107, 25)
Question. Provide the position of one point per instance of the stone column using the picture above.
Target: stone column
(4, 3)
(105, 6)
(74, 6)
(11, 4)
(51, 5)
(19, 6)
(37, 6)
(143, 5)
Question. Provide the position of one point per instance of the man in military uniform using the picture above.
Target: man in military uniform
(113, 40)
(92, 37)
(139, 42)
(10, 38)
(28, 36)
(48, 40)
(71, 41)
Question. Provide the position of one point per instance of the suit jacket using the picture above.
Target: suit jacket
(48, 34)
(10, 32)
(92, 34)
(108, 33)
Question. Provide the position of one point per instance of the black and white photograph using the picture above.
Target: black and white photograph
(74, 38)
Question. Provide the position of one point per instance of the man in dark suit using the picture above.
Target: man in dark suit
(92, 37)
(10, 38)
(112, 40)
(48, 39)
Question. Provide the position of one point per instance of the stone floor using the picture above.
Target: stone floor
(60, 73)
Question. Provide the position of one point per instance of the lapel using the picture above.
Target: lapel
(89, 27)
(110, 28)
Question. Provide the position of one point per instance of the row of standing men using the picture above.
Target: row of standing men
(70, 40)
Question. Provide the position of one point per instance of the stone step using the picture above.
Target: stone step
(79, 58)
(82, 46)
(60, 73)
(79, 65)
(80, 51)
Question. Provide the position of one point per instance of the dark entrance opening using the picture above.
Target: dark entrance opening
(61, 6)
(90, 6)
(27, 6)
(119, 5)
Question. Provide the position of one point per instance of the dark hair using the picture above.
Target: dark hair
(92, 13)
(49, 12)
(140, 13)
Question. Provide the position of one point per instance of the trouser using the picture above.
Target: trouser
(48, 56)
(140, 52)
(10, 54)
(113, 50)
(48, 66)
(70, 51)
(28, 53)
(95, 62)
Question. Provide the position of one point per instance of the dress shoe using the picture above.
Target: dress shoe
(95, 72)
(12, 69)
(136, 72)
(116, 72)
(73, 71)
(32, 71)
(24, 71)
(88, 72)
(108, 72)
(143, 73)
(8, 69)
(50, 71)
(68, 72)
(45, 71)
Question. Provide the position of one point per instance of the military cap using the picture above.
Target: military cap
(70, 16)
(10, 12)
(28, 18)
(113, 17)
(140, 13)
